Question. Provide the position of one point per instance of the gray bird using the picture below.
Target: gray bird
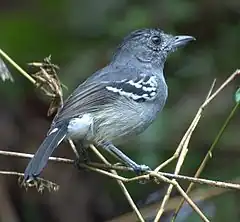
(117, 102)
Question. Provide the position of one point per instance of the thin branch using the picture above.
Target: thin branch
(208, 155)
(14, 64)
(72, 145)
(184, 195)
(95, 167)
(183, 149)
(225, 83)
(214, 183)
(40, 183)
(174, 183)
(120, 183)
(181, 152)
(150, 210)
(188, 132)
(26, 155)
(189, 200)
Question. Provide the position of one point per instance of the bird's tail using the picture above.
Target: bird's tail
(50, 143)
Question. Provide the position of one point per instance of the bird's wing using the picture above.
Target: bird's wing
(101, 89)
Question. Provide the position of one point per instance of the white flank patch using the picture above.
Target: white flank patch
(78, 127)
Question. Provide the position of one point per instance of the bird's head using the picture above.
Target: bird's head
(150, 46)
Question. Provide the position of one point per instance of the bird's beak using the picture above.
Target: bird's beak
(182, 40)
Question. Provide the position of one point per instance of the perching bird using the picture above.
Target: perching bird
(117, 102)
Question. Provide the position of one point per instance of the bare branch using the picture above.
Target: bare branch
(185, 141)
(181, 152)
(96, 167)
(14, 64)
(120, 183)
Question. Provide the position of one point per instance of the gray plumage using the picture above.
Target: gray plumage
(116, 102)
(4, 72)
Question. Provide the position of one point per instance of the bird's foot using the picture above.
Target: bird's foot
(81, 160)
(141, 169)
(83, 157)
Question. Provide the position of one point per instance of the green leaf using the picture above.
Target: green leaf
(237, 96)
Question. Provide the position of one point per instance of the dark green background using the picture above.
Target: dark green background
(81, 37)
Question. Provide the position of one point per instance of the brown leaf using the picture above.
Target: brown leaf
(47, 79)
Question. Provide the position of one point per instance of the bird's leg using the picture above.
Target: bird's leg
(121, 156)
(82, 153)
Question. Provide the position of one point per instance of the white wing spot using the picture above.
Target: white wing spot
(53, 131)
(150, 87)
(153, 94)
(136, 84)
(113, 89)
(152, 81)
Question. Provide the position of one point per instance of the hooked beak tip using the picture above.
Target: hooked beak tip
(182, 40)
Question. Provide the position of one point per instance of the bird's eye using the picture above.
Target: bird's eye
(156, 40)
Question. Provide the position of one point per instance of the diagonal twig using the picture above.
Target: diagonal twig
(14, 64)
(122, 186)
(184, 149)
(208, 156)
(181, 152)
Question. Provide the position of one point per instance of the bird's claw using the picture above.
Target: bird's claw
(77, 163)
(141, 169)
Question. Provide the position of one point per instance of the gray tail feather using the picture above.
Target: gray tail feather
(50, 143)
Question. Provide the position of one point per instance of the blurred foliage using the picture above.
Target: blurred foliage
(81, 36)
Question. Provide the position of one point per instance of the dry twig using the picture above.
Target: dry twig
(182, 148)
(152, 175)
(209, 153)
(120, 183)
